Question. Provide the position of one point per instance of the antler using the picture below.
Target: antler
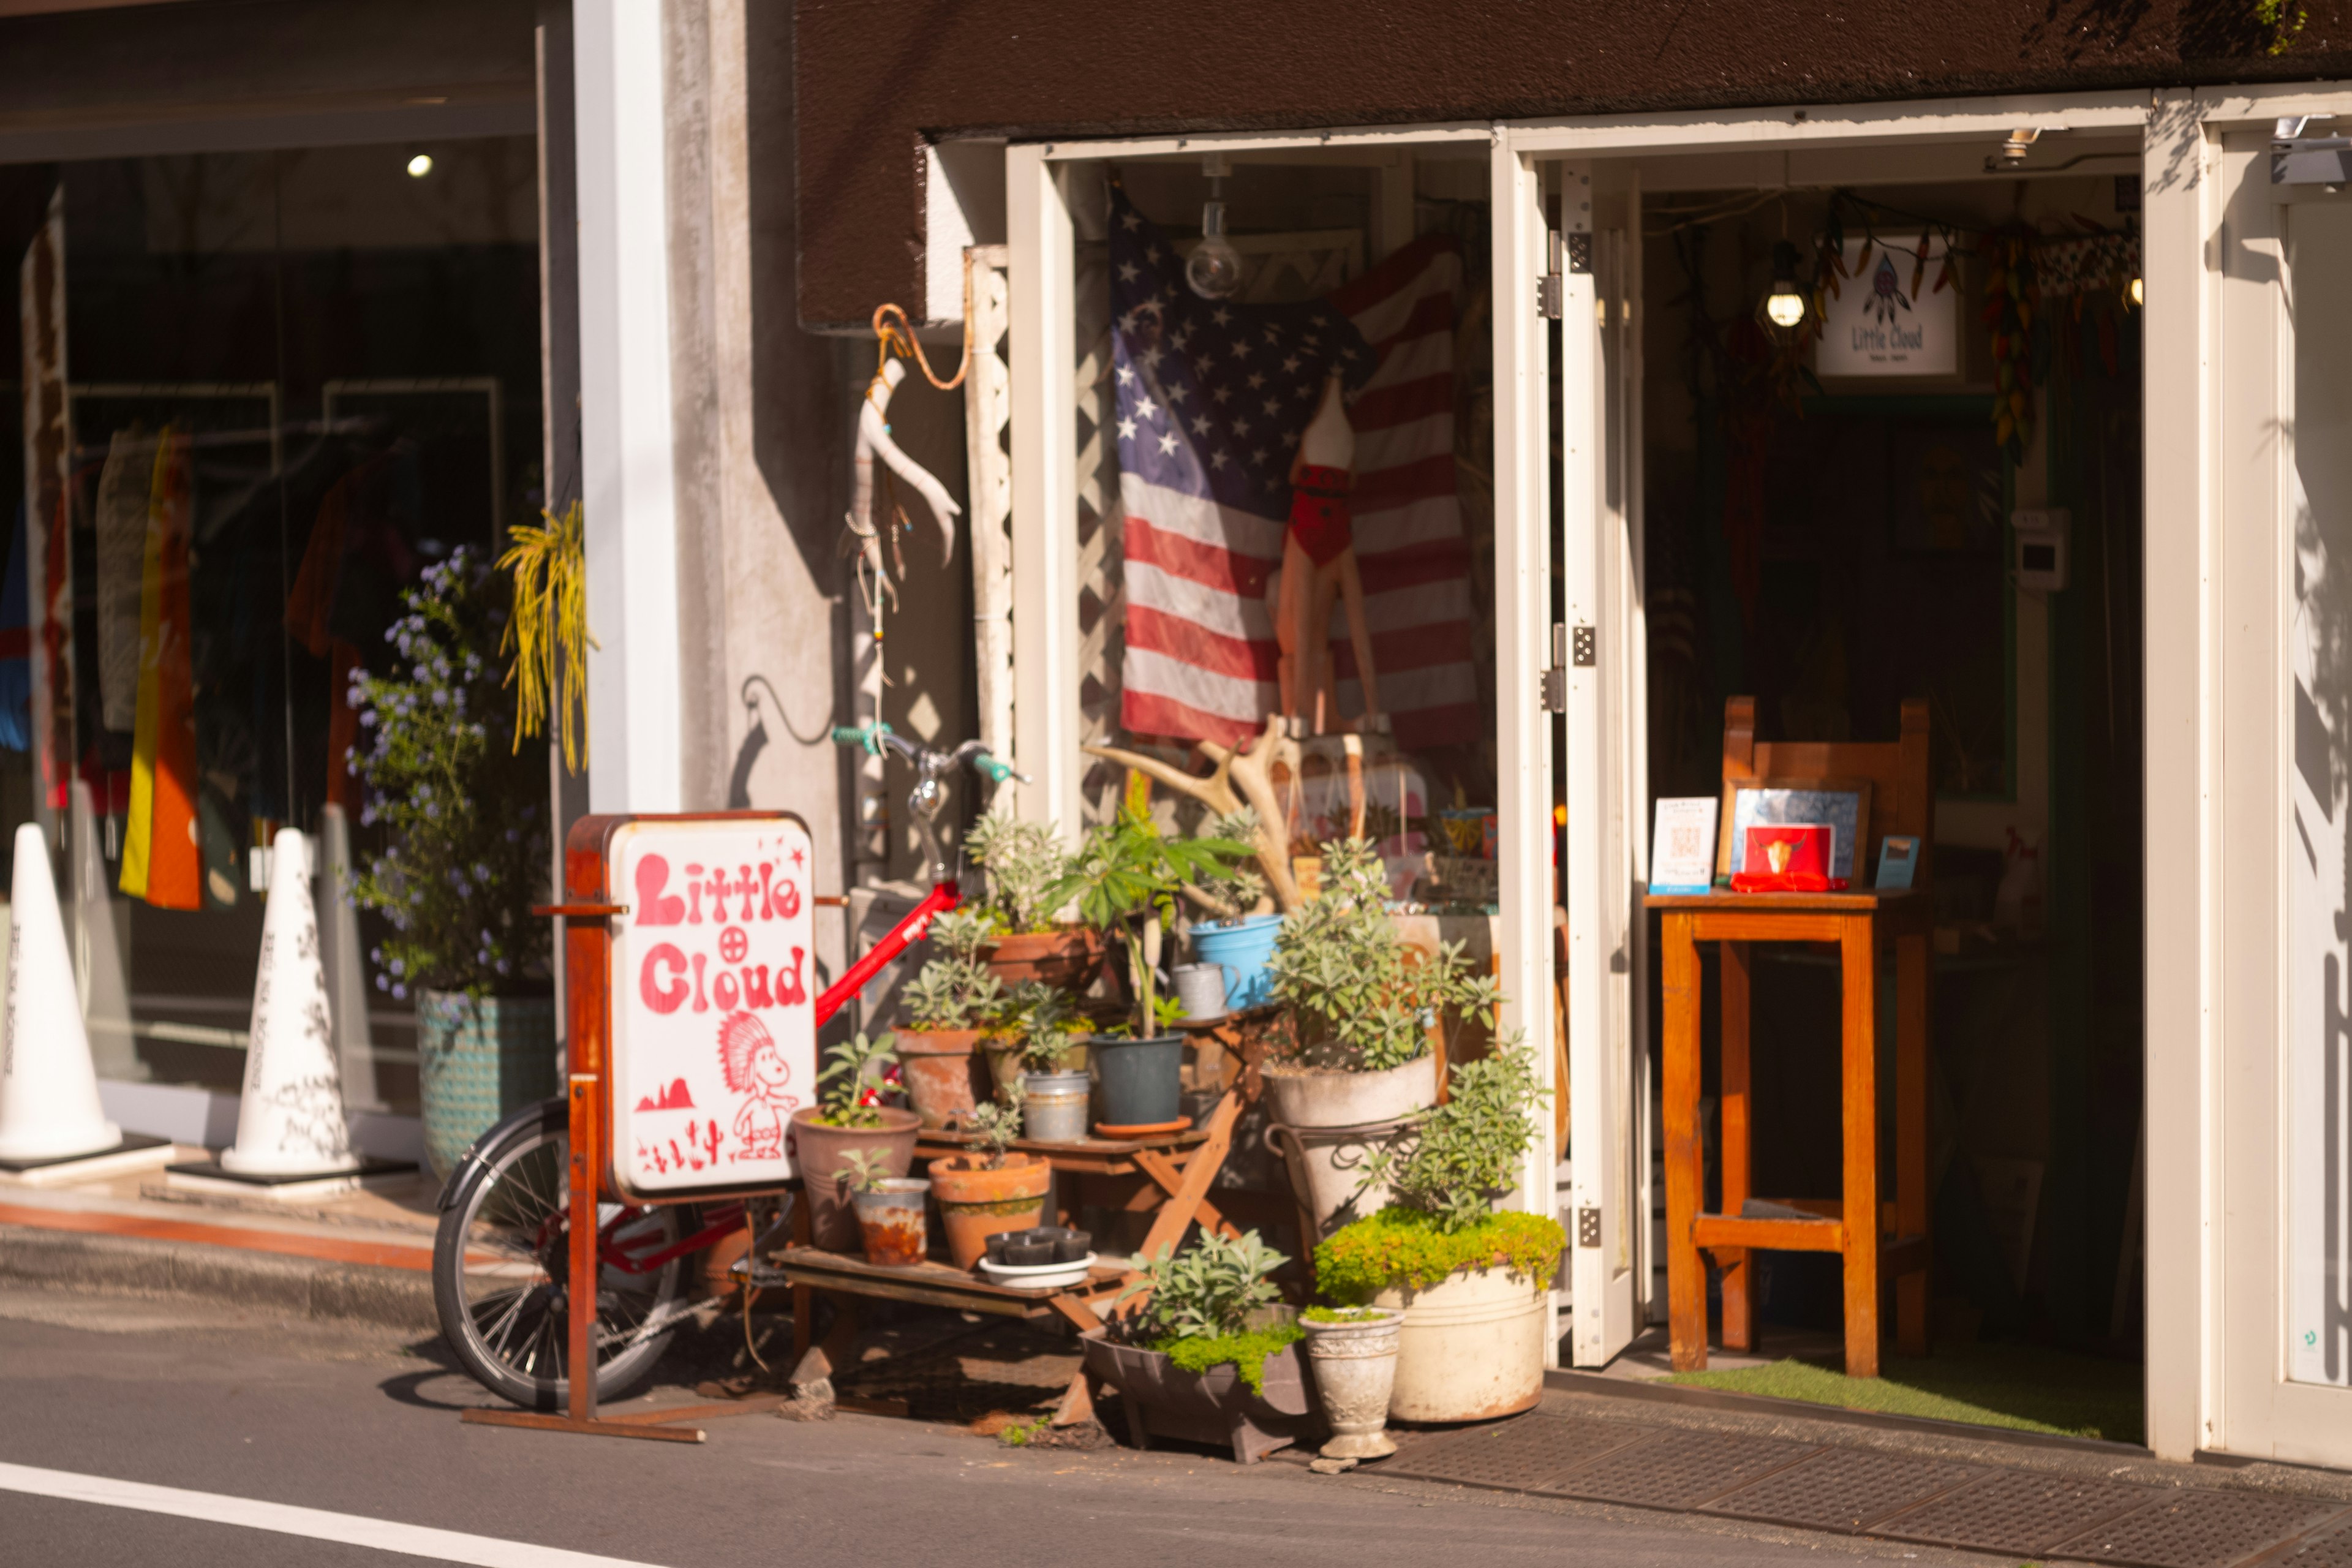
(1241, 778)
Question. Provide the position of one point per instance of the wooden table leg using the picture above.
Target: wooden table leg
(1685, 1272)
(1860, 1101)
(1731, 1119)
(1913, 996)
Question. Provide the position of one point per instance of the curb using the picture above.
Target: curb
(315, 1288)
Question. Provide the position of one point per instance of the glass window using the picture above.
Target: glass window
(293, 379)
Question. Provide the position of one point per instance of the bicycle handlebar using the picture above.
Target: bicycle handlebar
(874, 737)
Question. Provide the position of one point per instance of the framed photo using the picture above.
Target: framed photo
(1841, 804)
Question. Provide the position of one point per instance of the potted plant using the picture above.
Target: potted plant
(947, 1007)
(989, 1189)
(1024, 862)
(848, 1116)
(1361, 1001)
(1238, 934)
(1055, 1088)
(1036, 1029)
(1353, 1354)
(1469, 1282)
(889, 1209)
(1207, 1354)
(1125, 880)
(459, 798)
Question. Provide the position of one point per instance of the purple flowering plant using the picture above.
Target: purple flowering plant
(460, 810)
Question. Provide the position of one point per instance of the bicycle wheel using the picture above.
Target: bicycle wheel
(502, 1266)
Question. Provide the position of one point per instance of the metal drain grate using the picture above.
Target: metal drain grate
(1680, 1469)
(2332, 1549)
(1517, 1456)
(2199, 1530)
(1844, 1489)
(2020, 1512)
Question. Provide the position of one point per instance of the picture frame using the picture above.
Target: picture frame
(1841, 804)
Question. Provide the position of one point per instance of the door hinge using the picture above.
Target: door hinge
(1550, 299)
(1585, 648)
(1588, 1228)
(1554, 680)
(1580, 251)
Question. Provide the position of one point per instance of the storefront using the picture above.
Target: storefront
(2122, 1082)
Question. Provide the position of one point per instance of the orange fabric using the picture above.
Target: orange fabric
(161, 861)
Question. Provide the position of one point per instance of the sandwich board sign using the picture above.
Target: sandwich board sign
(712, 1005)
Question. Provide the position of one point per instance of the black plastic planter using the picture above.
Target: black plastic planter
(1141, 1080)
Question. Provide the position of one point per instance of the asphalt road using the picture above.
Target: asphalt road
(246, 1410)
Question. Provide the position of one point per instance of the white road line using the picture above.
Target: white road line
(318, 1524)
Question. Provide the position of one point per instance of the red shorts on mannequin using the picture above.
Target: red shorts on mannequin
(1318, 512)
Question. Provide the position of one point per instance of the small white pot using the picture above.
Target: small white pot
(1351, 1099)
(1471, 1347)
(1355, 1367)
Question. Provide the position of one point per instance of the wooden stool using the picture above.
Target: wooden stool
(1874, 1241)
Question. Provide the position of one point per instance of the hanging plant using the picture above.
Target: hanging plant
(549, 635)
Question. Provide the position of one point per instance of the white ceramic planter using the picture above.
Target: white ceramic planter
(1471, 1347)
(1352, 1098)
(1354, 1366)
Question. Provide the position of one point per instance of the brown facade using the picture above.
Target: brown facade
(875, 81)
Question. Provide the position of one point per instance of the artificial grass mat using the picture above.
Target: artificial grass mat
(2030, 1388)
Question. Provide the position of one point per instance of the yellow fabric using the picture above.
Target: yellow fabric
(139, 840)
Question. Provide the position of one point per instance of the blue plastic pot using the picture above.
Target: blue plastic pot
(1241, 948)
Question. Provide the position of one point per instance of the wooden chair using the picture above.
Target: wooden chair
(1874, 1241)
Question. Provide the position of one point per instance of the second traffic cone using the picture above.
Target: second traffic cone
(49, 1088)
(290, 1120)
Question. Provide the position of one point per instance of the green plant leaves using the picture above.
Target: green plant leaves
(1209, 1288)
(1401, 1247)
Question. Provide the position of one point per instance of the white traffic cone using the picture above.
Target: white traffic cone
(49, 1088)
(290, 1121)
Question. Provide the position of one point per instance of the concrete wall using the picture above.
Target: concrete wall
(761, 433)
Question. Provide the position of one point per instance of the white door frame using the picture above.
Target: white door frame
(2183, 803)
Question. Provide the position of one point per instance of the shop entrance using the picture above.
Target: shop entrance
(1833, 446)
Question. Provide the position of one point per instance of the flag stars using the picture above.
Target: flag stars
(1176, 394)
(1217, 459)
(1168, 444)
(1222, 394)
(1241, 349)
(1256, 380)
(1200, 425)
(1274, 408)
(1291, 364)
(1126, 375)
(1221, 316)
(1127, 430)
(1129, 272)
(1147, 409)
(1131, 221)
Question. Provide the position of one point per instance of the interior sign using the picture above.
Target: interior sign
(713, 1017)
(1888, 318)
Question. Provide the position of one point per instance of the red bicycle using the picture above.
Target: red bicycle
(502, 1254)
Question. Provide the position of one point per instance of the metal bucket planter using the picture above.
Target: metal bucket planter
(1005, 1065)
(477, 1061)
(1471, 1347)
(1212, 1406)
(891, 1218)
(1326, 1167)
(1355, 1371)
(1055, 1111)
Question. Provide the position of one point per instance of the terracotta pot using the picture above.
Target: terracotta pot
(941, 1073)
(821, 1154)
(1066, 956)
(976, 1203)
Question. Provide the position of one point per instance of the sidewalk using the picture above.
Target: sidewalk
(365, 1258)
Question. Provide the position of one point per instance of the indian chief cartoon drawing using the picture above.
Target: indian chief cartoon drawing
(755, 1068)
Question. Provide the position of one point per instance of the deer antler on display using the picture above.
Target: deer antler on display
(1242, 778)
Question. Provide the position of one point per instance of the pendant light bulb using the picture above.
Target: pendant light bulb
(1214, 268)
(1784, 307)
(2138, 292)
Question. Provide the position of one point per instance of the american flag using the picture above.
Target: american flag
(1212, 398)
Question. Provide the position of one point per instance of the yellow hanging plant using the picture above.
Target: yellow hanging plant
(549, 634)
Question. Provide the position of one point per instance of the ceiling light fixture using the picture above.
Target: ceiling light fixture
(1784, 307)
(1214, 268)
